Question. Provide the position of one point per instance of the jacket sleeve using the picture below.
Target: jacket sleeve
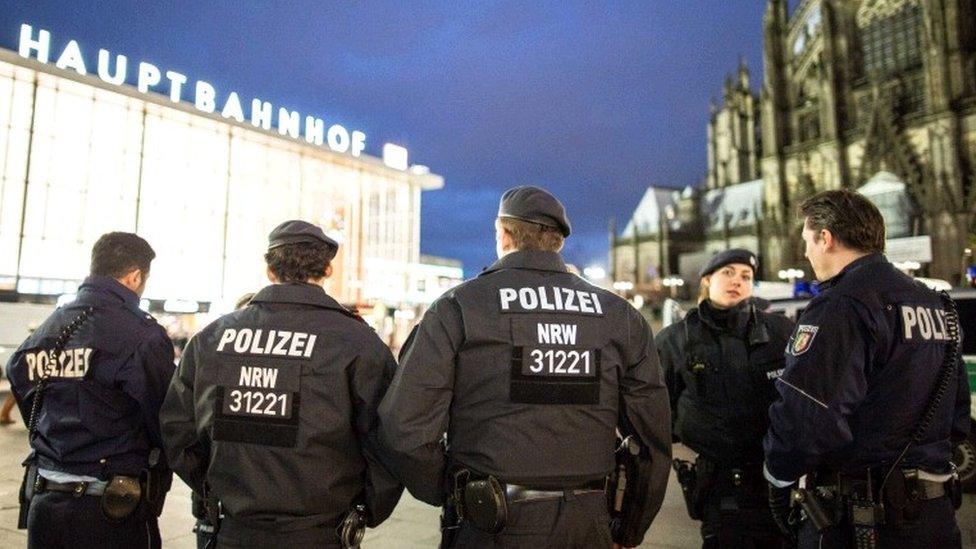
(821, 387)
(369, 379)
(961, 411)
(414, 412)
(187, 449)
(672, 359)
(145, 377)
(645, 412)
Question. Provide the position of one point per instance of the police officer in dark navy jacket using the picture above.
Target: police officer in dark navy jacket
(89, 382)
(869, 356)
(529, 370)
(272, 413)
(720, 363)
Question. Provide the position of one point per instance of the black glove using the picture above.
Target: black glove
(779, 506)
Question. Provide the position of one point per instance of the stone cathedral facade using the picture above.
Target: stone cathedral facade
(877, 96)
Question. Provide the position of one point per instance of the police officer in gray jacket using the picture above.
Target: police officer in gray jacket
(529, 370)
(273, 409)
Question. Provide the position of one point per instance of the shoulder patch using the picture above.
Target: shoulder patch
(803, 339)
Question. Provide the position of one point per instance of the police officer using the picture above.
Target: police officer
(529, 370)
(89, 382)
(862, 412)
(272, 411)
(720, 363)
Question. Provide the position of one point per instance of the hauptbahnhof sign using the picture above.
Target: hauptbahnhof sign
(115, 69)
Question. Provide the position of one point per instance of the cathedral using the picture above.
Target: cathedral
(877, 96)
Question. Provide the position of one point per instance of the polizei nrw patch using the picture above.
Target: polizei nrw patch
(803, 339)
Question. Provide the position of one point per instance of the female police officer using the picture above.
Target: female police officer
(719, 364)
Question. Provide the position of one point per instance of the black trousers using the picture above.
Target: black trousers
(934, 526)
(573, 521)
(739, 517)
(57, 520)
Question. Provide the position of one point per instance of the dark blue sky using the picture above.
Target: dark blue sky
(594, 101)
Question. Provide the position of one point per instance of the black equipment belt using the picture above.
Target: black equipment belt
(77, 489)
(847, 485)
(515, 493)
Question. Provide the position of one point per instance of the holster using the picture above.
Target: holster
(156, 480)
(483, 504)
(688, 479)
(121, 498)
(26, 493)
(353, 527)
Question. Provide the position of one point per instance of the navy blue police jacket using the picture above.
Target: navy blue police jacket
(860, 368)
(273, 408)
(100, 411)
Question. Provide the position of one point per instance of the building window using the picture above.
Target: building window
(892, 43)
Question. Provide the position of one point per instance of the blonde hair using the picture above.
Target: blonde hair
(532, 236)
(703, 288)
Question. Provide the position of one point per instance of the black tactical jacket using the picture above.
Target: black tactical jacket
(720, 368)
(528, 369)
(274, 407)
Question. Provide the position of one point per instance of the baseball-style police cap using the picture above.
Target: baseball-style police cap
(297, 231)
(534, 205)
(735, 255)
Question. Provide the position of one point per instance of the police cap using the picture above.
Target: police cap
(297, 231)
(735, 255)
(534, 205)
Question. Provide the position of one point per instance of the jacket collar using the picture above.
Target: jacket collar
(298, 293)
(536, 260)
(853, 266)
(108, 286)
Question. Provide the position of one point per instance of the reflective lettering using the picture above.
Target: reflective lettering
(226, 338)
(528, 299)
(507, 295)
(544, 303)
(908, 319)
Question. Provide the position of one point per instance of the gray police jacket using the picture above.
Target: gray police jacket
(528, 369)
(274, 407)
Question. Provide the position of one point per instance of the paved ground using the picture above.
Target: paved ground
(413, 524)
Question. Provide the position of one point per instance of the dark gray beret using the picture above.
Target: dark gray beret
(735, 255)
(296, 231)
(534, 205)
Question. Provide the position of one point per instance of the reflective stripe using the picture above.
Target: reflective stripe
(802, 392)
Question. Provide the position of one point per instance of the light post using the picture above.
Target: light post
(790, 274)
(673, 283)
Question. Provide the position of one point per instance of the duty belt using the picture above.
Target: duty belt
(515, 493)
(77, 489)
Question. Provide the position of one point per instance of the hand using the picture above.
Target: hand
(779, 506)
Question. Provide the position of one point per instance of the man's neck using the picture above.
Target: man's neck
(842, 260)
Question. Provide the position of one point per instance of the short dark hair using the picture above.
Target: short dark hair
(300, 261)
(853, 220)
(116, 254)
(532, 236)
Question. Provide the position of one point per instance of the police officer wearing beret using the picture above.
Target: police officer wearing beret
(272, 413)
(529, 370)
(89, 382)
(872, 397)
(720, 363)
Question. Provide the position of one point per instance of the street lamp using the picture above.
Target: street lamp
(790, 274)
(623, 285)
(594, 272)
(673, 283)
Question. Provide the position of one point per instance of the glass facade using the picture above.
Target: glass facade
(78, 159)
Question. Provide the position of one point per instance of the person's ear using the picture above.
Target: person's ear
(328, 270)
(271, 276)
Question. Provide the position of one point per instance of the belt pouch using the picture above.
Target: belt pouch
(121, 498)
(485, 506)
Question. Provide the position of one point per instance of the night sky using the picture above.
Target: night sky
(594, 101)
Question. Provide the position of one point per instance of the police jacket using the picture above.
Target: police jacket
(860, 369)
(99, 414)
(528, 369)
(720, 367)
(274, 406)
